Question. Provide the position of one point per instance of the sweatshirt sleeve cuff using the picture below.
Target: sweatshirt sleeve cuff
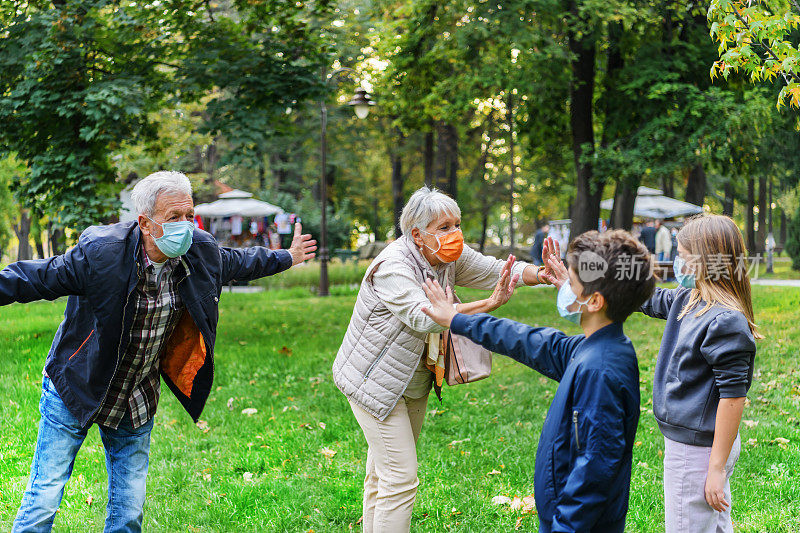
(733, 391)
(459, 324)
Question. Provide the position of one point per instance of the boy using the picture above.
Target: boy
(583, 461)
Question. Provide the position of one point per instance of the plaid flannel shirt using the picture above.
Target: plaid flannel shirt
(136, 385)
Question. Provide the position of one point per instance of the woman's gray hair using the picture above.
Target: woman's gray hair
(425, 206)
(145, 193)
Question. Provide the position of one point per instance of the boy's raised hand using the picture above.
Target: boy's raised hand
(554, 270)
(441, 310)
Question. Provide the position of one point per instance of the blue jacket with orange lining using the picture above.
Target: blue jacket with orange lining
(99, 274)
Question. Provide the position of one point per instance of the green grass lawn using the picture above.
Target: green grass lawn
(274, 354)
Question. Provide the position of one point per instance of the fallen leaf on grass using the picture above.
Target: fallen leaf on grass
(293, 407)
(750, 423)
(780, 441)
(249, 411)
(493, 473)
(89, 500)
(230, 404)
(501, 500)
(285, 351)
(202, 425)
(752, 442)
(247, 476)
(516, 504)
(459, 441)
(322, 425)
(327, 452)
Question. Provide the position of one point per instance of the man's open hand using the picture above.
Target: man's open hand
(303, 246)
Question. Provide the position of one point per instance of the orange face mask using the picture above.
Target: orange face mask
(450, 245)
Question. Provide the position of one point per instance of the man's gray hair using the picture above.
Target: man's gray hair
(425, 206)
(145, 193)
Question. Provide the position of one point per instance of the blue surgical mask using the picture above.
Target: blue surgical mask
(684, 280)
(176, 239)
(566, 297)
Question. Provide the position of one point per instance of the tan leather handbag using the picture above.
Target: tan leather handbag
(465, 361)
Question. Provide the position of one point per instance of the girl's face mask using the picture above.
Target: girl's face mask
(451, 244)
(685, 279)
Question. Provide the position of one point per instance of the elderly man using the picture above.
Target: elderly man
(143, 300)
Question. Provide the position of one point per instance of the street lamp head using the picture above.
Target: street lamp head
(361, 103)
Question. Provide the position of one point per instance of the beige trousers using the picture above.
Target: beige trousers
(390, 486)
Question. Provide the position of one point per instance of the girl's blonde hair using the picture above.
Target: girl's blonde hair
(719, 258)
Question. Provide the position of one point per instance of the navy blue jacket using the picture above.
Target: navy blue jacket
(99, 274)
(583, 460)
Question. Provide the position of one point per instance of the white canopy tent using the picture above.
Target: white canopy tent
(651, 203)
(237, 202)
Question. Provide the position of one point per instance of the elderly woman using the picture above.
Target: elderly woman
(381, 367)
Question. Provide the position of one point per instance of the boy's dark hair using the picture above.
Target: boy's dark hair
(628, 279)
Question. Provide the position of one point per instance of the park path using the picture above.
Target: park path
(777, 282)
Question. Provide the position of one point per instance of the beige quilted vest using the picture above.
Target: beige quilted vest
(379, 352)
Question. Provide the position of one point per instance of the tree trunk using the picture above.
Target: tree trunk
(624, 199)
(696, 185)
(446, 158)
(397, 183)
(58, 241)
(761, 234)
(729, 202)
(453, 169)
(23, 230)
(750, 226)
(782, 232)
(37, 239)
(484, 224)
(586, 209)
(668, 185)
(427, 158)
(513, 174)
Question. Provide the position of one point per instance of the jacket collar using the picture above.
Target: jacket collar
(611, 331)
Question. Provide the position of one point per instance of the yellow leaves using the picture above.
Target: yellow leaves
(328, 453)
(781, 442)
(526, 504)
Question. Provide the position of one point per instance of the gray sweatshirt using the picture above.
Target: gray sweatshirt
(702, 359)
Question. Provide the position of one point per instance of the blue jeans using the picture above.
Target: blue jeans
(60, 438)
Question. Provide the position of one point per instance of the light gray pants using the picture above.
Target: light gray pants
(686, 509)
(390, 486)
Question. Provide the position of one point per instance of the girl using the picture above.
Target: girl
(703, 372)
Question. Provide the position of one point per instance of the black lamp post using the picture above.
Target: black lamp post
(361, 103)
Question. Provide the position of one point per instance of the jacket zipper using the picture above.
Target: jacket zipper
(378, 360)
(575, 425)
(119, 348)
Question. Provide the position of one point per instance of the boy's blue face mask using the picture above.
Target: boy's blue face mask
(566, 297)
(684, 280)
(176, 239)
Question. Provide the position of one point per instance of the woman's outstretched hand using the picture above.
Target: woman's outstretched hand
(441, 310)
(555, 272)
(505, 286)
